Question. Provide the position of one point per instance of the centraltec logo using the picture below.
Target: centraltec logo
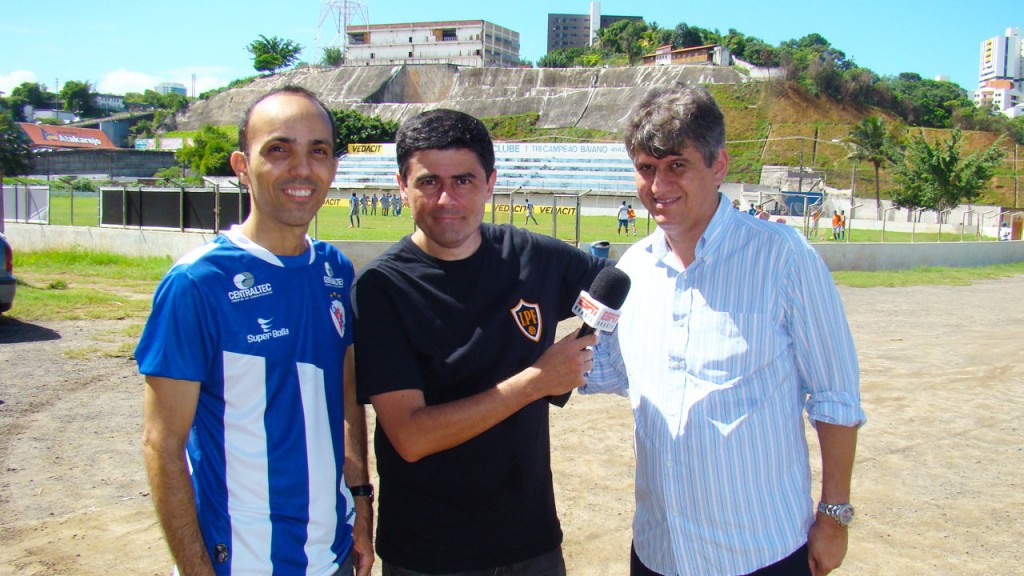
(247, 288)
(268, 331)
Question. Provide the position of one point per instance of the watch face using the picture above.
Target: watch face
(846, 514)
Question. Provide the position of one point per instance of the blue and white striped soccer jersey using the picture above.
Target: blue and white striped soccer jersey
(266, 337)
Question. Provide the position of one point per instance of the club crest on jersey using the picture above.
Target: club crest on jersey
(338, 315)
(527, 317)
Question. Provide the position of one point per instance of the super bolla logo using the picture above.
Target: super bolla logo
(267, 331)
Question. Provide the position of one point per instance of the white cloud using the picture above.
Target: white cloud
(121, 80)
(206, 77)
(9, 81)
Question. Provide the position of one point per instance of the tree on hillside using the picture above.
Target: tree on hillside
(355, 128)
(78, 97)
(869, 141)
(172, 101)
(15, 154)
(209, 152)
(26, 93)
(33, 93)
(760, 53)
(927, 103)
(570, 57)
(333, 57)
(272, 54)
(654, 37)
(623, 37)
(686, 36)
(938, 176)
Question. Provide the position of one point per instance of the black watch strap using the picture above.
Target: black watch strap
(365, 490)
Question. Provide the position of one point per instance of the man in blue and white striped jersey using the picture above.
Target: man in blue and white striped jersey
(252, 435)
(732, 328)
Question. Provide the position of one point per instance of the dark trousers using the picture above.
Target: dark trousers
(796, 564)
(548, 564)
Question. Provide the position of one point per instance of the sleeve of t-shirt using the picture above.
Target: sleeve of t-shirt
(386, 361)
(578, 270)
(176, 342)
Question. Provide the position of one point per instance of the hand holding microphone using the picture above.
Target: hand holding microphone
(599, 309)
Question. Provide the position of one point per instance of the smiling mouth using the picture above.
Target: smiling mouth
(299, 192)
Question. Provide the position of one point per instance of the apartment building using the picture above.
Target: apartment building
(579, 30)
(1001, 74)
(461, 42)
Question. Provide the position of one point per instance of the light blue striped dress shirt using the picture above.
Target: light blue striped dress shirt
(719, 361)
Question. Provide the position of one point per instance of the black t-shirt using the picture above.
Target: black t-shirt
(452, 330)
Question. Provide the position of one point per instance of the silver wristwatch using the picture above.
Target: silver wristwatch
(841, 513)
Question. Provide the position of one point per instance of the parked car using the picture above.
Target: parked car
(7, 281)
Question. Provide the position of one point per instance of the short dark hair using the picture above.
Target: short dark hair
(671, 118)
(443, 129)
(243, 128)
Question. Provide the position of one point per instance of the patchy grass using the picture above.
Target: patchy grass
(927, 276)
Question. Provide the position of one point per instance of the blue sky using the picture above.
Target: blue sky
(130, 45)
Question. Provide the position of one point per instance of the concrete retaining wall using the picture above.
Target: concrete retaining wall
(838, 256)
(594, 98)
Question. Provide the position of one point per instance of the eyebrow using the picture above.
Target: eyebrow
(287, 140)
(467, 176)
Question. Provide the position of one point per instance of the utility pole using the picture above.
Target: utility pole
(853, 187)
(800, 180)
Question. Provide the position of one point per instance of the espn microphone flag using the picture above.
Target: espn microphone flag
(595, 314)
(599, 309)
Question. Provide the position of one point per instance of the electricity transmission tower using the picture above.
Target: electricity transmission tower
(335, 18)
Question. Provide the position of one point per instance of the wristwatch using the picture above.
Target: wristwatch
(842, 513)
(362, 490)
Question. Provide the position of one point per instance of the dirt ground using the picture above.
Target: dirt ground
(938, 479)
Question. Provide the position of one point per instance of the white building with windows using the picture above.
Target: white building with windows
(460, 42)
(580, 30)
(168, 87)
(1001, 74)
(109, 102)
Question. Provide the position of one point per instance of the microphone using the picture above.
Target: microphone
(599, 309)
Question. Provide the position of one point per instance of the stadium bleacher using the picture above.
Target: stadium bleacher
(528, 165)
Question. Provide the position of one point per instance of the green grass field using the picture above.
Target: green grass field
(82, 285)
(332, 224)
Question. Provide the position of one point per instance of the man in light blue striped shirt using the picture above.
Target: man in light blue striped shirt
(732, 328)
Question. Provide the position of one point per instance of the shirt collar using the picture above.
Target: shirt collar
(710, 240)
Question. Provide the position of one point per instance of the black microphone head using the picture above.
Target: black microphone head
(610, 287)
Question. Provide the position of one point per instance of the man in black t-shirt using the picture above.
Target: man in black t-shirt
(457, 327)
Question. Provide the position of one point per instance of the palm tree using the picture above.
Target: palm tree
(272, 54)
(869, 141)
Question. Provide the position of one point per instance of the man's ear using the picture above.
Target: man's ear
(240, 164)
(491, 181)
(721, 166)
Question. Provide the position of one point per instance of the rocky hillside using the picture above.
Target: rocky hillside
(585, 98)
